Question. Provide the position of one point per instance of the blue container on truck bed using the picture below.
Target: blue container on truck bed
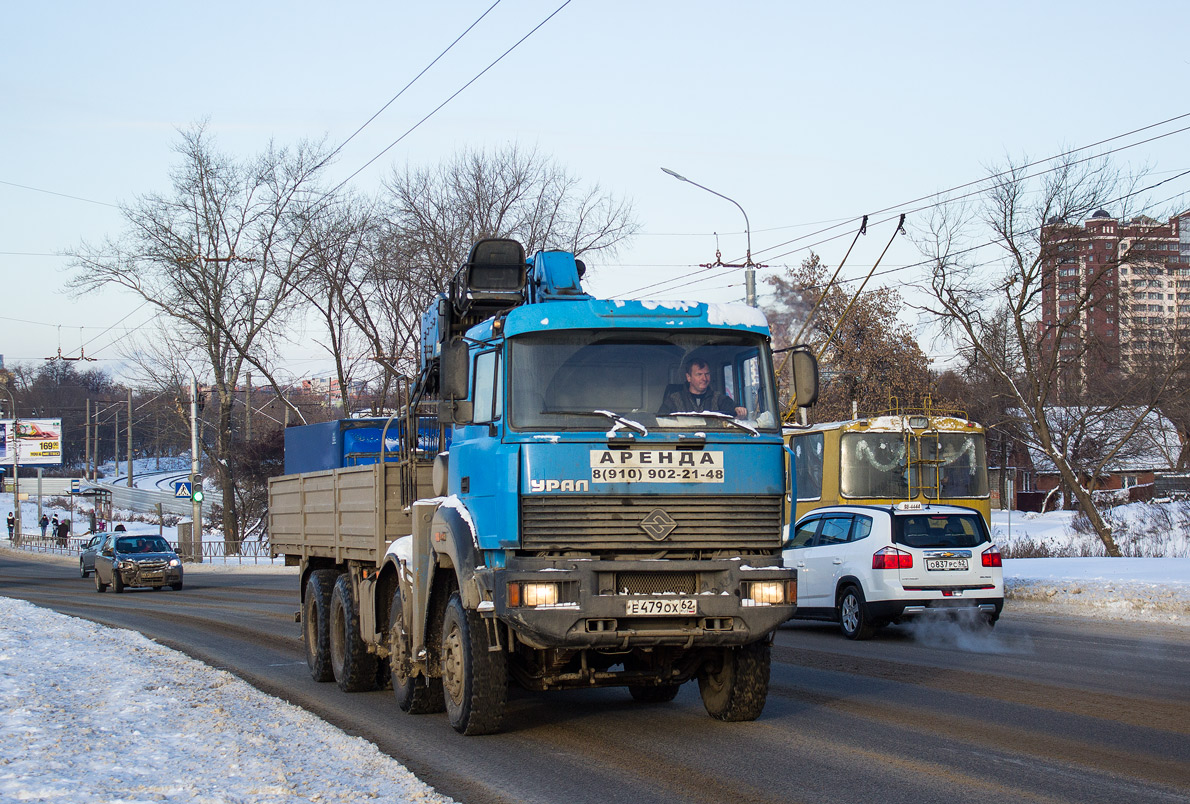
(350, 442)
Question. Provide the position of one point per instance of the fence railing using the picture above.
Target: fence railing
(250, 552)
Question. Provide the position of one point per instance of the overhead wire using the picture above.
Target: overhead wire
(946, 201)
(454, 95)
(412, 81)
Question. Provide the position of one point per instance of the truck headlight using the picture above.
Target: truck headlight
(766, 593)
(532, 594)
(173, 562)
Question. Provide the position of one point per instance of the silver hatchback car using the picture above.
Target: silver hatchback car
(128, 560)
(88, 552)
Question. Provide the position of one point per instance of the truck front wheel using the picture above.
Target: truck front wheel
(474, 678)
(417, 695)
(735, 685)
(353, 667)
(316, 609)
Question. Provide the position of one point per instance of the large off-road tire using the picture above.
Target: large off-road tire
(854, 619)
(474, 679)
(353, 667)
(316, 631)
(117, 581)
(100, 586)
(735, 685)
(417, 695)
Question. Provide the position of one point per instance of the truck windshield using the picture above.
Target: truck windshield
(572, 380)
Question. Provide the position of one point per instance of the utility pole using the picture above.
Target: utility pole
(87, 439)
(748, 266)
(196, 509)
(116, 441)
(130, 438)
(16, 463)
(95, 441)
(248, 409)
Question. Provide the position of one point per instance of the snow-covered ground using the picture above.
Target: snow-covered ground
(127, 720)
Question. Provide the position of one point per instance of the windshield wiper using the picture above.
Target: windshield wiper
(620, 421)
(714, 414)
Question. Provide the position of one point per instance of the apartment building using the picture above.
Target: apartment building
(1116, 293)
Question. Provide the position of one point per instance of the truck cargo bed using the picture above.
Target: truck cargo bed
(340, 514)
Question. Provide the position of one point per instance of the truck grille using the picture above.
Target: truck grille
(151, 565)
(656, 583)
(684, 522)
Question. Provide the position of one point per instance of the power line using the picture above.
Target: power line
(411, 83)
(951, 200)
(456, 93)
(62, 195)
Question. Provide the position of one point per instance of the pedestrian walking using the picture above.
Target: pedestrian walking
(45, 523)
(63, 533)
(54, 523)
(12, 523)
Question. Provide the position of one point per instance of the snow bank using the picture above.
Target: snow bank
(129, 720)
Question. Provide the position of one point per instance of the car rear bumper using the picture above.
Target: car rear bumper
(904, 609)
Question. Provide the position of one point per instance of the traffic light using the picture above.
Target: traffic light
(196, 488)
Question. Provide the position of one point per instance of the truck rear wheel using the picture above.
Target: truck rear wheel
(353, 667)
(417, 695)
(734, 687)
(474, 678)
(316, 608)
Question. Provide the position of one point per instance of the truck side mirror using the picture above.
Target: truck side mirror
(452, 370)
(805, 376)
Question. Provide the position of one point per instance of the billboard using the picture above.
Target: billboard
(32, 442)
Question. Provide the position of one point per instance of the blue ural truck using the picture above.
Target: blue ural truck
(599, 519)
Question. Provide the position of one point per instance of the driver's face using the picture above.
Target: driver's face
(698, 378)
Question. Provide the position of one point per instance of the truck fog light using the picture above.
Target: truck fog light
(768, 593)
(532, 594)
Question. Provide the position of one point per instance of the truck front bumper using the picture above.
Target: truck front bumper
(626, 604)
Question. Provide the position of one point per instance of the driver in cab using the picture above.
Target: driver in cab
(698, 396)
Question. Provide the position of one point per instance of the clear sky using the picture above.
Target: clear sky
(801, 113)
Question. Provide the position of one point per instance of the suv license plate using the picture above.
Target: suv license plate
(662, 606)
(946, 564)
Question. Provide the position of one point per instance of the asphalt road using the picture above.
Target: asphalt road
(1043, 709)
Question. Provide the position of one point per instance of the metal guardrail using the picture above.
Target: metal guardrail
(147, 499)
(212, 552)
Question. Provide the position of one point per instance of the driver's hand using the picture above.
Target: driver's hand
(741, 413)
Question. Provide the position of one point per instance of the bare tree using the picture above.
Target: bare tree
(381, 276)
(871, 358)
(217, 256)
(993, 309)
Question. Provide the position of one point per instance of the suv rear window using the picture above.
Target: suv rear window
(939, 530)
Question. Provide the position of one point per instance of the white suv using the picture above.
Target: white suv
(865, 566)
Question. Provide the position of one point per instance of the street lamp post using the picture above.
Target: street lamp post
(16, 464)
(748, 266)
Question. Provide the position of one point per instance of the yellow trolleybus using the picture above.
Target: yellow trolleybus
(891, 458)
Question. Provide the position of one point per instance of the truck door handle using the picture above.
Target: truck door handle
(837, 561)
(801, 565)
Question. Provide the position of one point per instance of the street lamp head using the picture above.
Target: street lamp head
(677, 176)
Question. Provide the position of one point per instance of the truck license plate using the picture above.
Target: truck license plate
(946, 564)
(663, 606)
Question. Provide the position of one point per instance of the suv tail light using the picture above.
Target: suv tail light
(892, 558)
(991, 557)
